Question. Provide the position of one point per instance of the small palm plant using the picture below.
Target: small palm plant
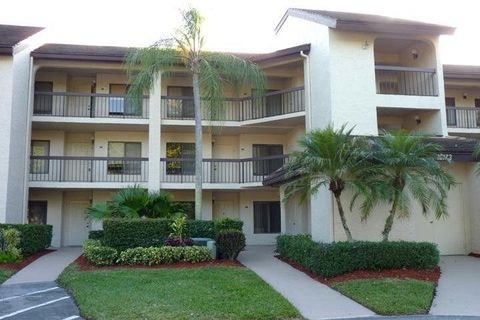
(210, 72)
(330, 158)
(405, 168)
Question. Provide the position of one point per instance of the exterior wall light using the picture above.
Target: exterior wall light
(414, 53)
(365, 45)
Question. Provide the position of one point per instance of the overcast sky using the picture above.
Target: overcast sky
(240, 26)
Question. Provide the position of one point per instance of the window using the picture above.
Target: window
(125, 150)
(118, 104)
(266, 166)
(266, 217)
(451, 113)
(180, 108)
(181, 151)
(42, 102)
(39, 149)
(37, 212)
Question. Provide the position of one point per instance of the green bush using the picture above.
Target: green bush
(123, 234)
(230, 243)
(228, 224)
(337, 258)
(163, 255)
(34, 237)
(98, 254)
(95, 235)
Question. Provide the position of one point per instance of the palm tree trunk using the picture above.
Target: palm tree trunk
(198, 147)
(342, 217)
(389, 222)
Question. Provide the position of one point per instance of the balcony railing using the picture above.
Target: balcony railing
(238, 109)
(90, 105)
(406, 81)
(88, 169)
(459, 117)
(249, 170)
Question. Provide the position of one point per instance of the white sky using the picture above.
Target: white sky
(240, 26)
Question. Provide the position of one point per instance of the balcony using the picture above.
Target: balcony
(238, 109)
(221, 171)
(88, 105)
(463, 117)
(406, 81)
(88, 169)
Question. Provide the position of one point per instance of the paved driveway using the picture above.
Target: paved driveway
(458, 291)
(39, 301)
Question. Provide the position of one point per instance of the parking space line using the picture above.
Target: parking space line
(28, 294)
(33, 307)
(71, 318)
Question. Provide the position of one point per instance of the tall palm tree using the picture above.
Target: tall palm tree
(210, 71)
(330, 157)
(405, 168)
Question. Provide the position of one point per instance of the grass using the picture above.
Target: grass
(5, 273)
(390, 296)
(195, 293)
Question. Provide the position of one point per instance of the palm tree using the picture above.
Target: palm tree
(210, 71)
(405, 168)
(330, 158)
(136, 202)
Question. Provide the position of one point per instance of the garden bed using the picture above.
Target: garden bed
(85, 265)
(8, 269)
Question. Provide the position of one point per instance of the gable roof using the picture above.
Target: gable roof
(10, 35)
(117, 54)
(364, 22)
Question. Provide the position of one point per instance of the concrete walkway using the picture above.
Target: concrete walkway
(459, 287)
(313, 299)
(47, 267)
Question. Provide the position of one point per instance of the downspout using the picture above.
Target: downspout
(308, 89)
(27, 140)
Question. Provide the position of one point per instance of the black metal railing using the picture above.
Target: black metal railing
(91, 105)
(88, 169)
(463, 117)
(406, 81)
(237, 109)
(182, 170)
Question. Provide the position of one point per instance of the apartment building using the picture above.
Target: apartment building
(84, 141)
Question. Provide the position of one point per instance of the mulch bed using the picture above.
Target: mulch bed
(475, 255)
(86, 265)
(26, 261)
(425, 275)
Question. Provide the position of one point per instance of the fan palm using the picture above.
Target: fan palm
(405, 169)
(330, 158)
(135, 202)
(210, 71)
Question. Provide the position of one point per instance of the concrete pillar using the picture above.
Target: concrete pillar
(283, 211)
(154, 136)
(321, 216)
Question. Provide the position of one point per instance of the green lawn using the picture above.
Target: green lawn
(390, 296)
(197, 293)
(5, 274)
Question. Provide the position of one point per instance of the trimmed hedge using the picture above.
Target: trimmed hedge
(98, 254)
(95, 235)
(33, 237)
(162, 255)
(332, 259)
(230, 243)
(228, 224)
(123, 234)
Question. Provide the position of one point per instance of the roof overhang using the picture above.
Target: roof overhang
(11, 35)
(451, 71)
(364, 22)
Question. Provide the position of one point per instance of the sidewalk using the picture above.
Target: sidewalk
(313, 299)
(47, 267)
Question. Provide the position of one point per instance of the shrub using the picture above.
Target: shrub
(10, 257)
(163, 255)
(34, 237)
(230, 243)
(337, 258)
(123, 234)
(95, 235)
(228, 224)
(174, 241)
(98, 254)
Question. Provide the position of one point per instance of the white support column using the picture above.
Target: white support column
(154, 136)
(283, 212)
(321, 216)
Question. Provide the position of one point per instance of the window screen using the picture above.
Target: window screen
(181, 151)
(125, 150)
(266, 166)
(266, 217)
(39, 149)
